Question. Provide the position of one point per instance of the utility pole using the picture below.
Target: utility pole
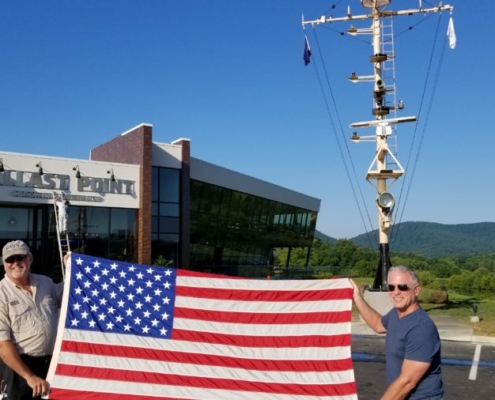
(385, 168)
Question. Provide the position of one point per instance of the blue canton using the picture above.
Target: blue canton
(110, 296)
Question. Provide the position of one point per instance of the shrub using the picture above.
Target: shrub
(435, 297)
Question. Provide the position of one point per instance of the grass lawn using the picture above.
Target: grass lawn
(459, 307)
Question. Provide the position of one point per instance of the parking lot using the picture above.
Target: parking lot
(468, 368)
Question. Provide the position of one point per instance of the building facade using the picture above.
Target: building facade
(152, 203)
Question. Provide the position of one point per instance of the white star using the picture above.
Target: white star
(119, 318)
(139, 290)
(87, 284)
(148, 298)
(110, 326)
(146, 329)
(157, 292)
(111, 310)
(149, 283)
(146, 314)
(166, 300)
(168, 272)
(157, 307)
(84, 315)
(96, 278)
(85, 299)
(149, 270)
(166, 285)
(103, 301)
(74, 322)
(129, 312)
(137, 321)
(79, 261)
(155, 322)
(104, 272)
(77, 306)
(79, 276)
(132, 268)
(113, 266)
(105, 286)
(96, 263)
(165, 316)
(87, 269)
(140, 275)
(130, 296)
(92, 324)
(78, 290)
(101, 317)
(138, 305)
(121, 303)
(95, 292)
(94, 308)
(127, 327)
(122, 274)
(158, 278)
(121, 288)
(163, 331)
(113, 280)
(130, 282)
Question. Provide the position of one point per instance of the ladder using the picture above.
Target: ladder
(388, 74)
(63, 242)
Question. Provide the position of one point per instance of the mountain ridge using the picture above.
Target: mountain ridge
(431, 239)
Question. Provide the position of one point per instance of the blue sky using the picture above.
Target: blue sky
(229, 75)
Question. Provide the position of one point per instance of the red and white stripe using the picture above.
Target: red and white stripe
(232, 339)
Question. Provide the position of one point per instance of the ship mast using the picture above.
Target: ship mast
(385, 169)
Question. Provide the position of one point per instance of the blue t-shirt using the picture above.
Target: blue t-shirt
(414, 337)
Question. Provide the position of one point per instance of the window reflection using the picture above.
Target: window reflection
(230, 228)
(165, 211)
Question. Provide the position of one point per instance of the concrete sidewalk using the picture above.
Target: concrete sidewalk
(448, 327)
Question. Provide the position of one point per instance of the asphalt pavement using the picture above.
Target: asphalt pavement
(448, 327)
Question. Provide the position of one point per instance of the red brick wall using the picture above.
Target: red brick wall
(185, 219)
(135, 147)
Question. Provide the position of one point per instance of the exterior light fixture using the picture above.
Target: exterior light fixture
(375, 3)
(12, 220)
(386, 200)
(353, 77)
(40, 168)
(112, 176)
(2, 168)
(78, 174)
(355, 137)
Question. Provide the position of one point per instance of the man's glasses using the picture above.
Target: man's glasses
(402, 287)
(17, 258)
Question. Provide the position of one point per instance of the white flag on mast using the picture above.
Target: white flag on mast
(451, 34)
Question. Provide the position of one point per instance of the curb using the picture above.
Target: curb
(483, 340)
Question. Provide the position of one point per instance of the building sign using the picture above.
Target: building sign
(81, 191)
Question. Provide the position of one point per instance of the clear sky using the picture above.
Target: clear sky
(230, 76)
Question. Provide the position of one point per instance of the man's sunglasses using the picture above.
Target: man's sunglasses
(17, 258)
(402, 287)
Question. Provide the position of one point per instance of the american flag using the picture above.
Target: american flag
(131, 331)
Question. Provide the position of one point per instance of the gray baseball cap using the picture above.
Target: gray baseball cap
(16, 247)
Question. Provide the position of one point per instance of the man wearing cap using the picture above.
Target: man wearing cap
(29, 310)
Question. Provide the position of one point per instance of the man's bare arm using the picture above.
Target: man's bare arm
(370, 315)
(11, 358)
(411, 373)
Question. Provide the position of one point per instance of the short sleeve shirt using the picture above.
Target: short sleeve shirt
(30, 320)
(414, 337)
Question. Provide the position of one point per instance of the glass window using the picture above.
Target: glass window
(169, 225)
(169, 210)
(155, 183)
(230, 228)
(169, 185)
